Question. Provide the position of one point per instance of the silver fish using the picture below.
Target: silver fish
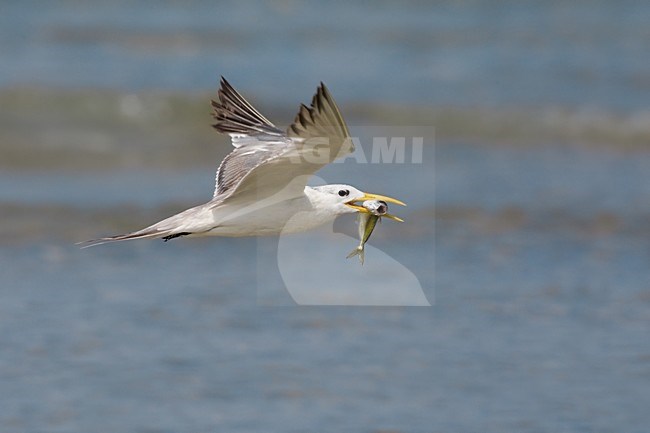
(376, 207)
(367, 222)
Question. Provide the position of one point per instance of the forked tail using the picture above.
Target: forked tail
(358, 251)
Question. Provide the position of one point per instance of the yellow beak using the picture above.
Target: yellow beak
(369, 196)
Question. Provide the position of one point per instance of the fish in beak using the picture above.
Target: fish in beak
(368, 196)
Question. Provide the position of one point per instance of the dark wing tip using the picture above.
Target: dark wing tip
(227, 90)
(322, 117)
(225, 85)
(233, 114)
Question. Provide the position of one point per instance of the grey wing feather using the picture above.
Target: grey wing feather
(264, 156)
(288, 168)
(236, 116)
(242, 160)
(323, 120)
(254, 137)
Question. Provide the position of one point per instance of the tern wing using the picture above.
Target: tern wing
(254, 137)
(266, 160)
(235, 116)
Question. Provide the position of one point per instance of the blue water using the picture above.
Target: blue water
(538, 325)
(553, 53)
(535, 258)
(171, 340)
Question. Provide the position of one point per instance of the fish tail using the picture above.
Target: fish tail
(358, 251)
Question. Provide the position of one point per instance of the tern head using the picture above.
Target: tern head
(348, 199)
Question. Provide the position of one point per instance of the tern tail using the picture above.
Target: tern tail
(191, 221)
(142, 234)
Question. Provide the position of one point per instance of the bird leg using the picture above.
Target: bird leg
(176, 235)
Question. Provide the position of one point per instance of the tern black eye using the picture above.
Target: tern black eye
(344, 192)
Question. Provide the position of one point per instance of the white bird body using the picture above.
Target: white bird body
(261, 185)
(288, 215)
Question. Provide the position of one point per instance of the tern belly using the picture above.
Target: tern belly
(290, 216)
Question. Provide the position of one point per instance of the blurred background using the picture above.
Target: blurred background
(537, 181)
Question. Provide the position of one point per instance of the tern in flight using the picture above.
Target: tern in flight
(261, 186)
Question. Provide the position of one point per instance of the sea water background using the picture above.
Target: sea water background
(534, 249)
(470, 53)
